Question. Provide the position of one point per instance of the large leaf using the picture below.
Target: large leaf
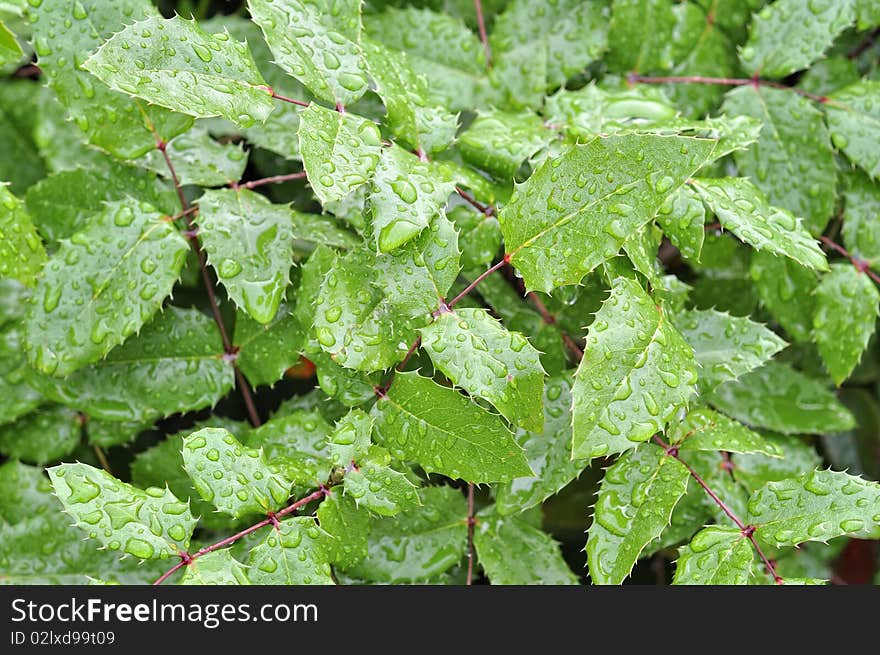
(249, 242)
(102, 285)
(151, 524)
(854, 121)
(211, 75)
(637, 370)
(316, 41)
(595, 195)
(634, 505)
(22, 255)
(444, 432)
(482, 357)
(715, 556)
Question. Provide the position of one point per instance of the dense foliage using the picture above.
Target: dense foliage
(445, 291)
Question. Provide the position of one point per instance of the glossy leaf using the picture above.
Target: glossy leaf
(22, 254)
(44, 436)
(349, 528)
(291, 554)
(715, 556)
(779, 281)
(704, 429)
(639, 36)
(297, 445)
(217, 568)
(499, 142)
(636, 372)
(852, 118)
(682, 218)
(267, 351)
(380, 489)
(198, 159)
(350, 439)
(860, 232)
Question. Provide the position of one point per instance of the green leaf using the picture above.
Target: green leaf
(754, 470)
(217, 568)
(854, 121)
(548, 453)
(339, 150)
(682, 217)
(267, 351)
(860, 230)
(477, 353)
(715, 556)
(10, 51)
(22, 255)
(726, 346)
(817, 506)
(499, 142)
(444, 432)
(249, 243)
(812, 25)
(640, 35)
(779, 398)
(419, 544)
(213, 75)
(412, 117)
(25, 492)
(512, 552)
(235, 478)
(703, 429)
(291, 554)
(634, 505)
(349, 528)
(744, 210)
(114, 123)
(44, 436)
(405, 195)
(350, 439)
(129, 255)
(380, 489)
(779, 281)
(296, 444)
(316, 41)
(147, 524)
(868, 14)
(570, 199)
(846, 313)
(175, 365)
(632, 378)
(198, 159)
(479, 236)
(793, 161)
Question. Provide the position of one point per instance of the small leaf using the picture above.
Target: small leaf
(779, 281)
(446, 433)
(44, 436)
(10, 51)
(316, 41)
(265, 352)
(235, 478)
(170, 76)
(817, 506)
(860, 232)
(715, 556)
(703, 429)
(846, 313)
(297, 444)
(217, 568)
(499, 142)
(726, 346)
(22, 254)
(349, 528)
(339, 150)
(640, 35)
(350, 439)
(479, 355)
(779, 398)
(145, 524)
(683, 218)
(129, 254)
(249, 242)
(380, 489)
(198, 159)
(291, 554)
(634, 505)
(853, 117)
(637, 370)
(512, 552)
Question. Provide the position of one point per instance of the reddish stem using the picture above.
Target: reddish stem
(487, 210)
(272, 179)
(292, 101)
(756, 82)
(481, 26)
(452, 303)
(860, 264)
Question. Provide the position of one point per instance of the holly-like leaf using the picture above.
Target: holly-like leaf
(817, 506)
(175, 365)
(444, 432)
(779, 281)
(854, 121)
(726, 346)
(716, 555)
(217, 568)
(812, 25)
(639, 37)
(682, 218)
(44, 436)
(499, 142)
(379, 488)
(636, 372)
(574, 199)
(293, 553)
(512, 552)
(339, 150)
(267, 351)
(249, 242)
(198, 159)
(778, 397)
(743, 209)
(316, 41)
(793, 161)
(297, 444)
(860, 232)
(753, 471)
(482, 357)
(634, 505)
(405, 194)
(704, 429)
(350, 440)
(246, 484)
(419, 544)
(22, 254)
(129, 254)
(114, 123)
(846, 313)
(147, 524)
(183, 68)
(349, 528)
